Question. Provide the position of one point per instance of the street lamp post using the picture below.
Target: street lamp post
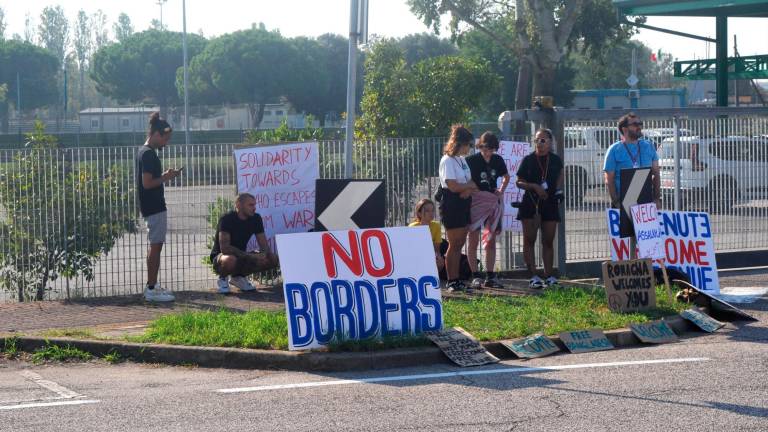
(184, 50)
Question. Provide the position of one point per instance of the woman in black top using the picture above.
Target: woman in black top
(541, 176)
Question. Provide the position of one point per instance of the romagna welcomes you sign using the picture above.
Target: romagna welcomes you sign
(359, 284)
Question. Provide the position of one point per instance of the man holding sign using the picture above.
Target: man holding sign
(631, 152)
(229, 256)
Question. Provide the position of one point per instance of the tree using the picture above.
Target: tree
(311, 79)
(122, 28)
(336, 57)
(421, 46)
(142, 68)
(29, 29)
(3, 24)
(99, 29)
(36, 68)
(420, 100)
(539, 31)
(53, 31)
(46, 233)
(83, 46)
(247, 66)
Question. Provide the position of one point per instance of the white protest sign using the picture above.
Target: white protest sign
(282, 179)
(359, 284)
(650, 237)
(461, 347)
(513, 153)
(688, 246)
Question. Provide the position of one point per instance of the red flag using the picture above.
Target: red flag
(653, 57)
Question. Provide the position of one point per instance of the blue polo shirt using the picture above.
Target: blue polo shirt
(620, 156)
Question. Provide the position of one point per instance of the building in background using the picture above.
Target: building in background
(630, 98)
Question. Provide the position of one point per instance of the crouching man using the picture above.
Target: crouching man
(229, 256)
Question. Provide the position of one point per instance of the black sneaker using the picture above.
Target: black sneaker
(457, 286)
(493, 283)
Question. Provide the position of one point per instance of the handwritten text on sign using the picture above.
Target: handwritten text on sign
(461, 347)
(533, 346)
(688, 245)
(513, 153)
(282, 178)
(650, 237)
(629, 285)
(654, 332)
(359, 284)
(585, 341)
(704, 321)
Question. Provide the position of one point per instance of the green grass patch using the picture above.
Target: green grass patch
(255, 329)
(11, 347)
(71, 333)
(486, 317)
(112, 357)
(52, 352)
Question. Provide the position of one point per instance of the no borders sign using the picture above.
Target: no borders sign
(629, 285)
(688, 245)
(282, 179)
(359, 284)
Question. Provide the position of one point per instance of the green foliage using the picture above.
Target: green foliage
(142, 67)
(252, 66)
(422, 46)
(112, 357)
(58, 218)
(216, 210)
(283, 133)
(36, 67)
(11, 347)
(54, 31)
(420, 100)
(52, 352)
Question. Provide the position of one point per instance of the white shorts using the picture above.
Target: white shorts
(157, 227)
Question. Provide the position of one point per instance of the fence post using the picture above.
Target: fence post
(676, 153)
(556, 125)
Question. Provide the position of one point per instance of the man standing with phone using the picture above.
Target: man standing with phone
(150, 180)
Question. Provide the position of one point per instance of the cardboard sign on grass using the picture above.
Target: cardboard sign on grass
(533, 346)
(704, 321)
(461, 347)
(656, 332)
(582, 341)
(629, 285)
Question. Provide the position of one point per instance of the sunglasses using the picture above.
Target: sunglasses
(637, 123)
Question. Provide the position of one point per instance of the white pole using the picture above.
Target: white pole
(351, 76)
(186, 93)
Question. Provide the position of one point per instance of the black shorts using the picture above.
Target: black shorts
(454, 210)
(548, 209)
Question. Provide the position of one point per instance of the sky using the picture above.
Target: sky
(386, 18)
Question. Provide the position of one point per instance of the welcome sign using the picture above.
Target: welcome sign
(359, 284)
(282, 179)
(688, 245)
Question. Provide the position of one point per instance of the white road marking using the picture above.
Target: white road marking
(63, 392)
(512, 370)
(48, 404)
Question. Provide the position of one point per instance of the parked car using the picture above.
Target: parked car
(585, 148)
(716, 172)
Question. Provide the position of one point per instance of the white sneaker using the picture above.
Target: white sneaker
(223, 285)
(242, 283)
(158, 294)
(536, 283)
(477, 284)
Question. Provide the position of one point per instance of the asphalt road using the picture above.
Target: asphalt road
(709, 383)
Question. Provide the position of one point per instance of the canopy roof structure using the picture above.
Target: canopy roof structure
(703, 8)
(720, 9)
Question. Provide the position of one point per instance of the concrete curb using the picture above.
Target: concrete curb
(238, 358)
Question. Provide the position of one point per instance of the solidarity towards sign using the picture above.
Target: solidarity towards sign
(359, 284)
(687, 245)
(513, 153)
(282, 178)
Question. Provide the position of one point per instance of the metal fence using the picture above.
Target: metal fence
(63, 209)
(720, 166)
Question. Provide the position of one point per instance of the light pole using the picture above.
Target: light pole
(160, 3)
(184, 50)
(358, 30)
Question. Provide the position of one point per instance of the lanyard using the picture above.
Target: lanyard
(543, 169)
(634, 159)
